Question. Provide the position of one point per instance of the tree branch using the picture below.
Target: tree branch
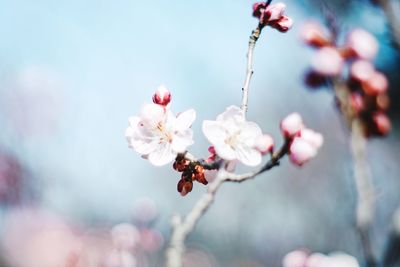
(362, 174)
(181, 228)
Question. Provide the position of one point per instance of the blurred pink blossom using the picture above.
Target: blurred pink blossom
(363, 44)
(327, 61)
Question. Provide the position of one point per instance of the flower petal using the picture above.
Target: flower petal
(182, 140)
(214, 132)
(231, 113)
(185, 119)
(248, 156)
(225, 151)
(162, 155)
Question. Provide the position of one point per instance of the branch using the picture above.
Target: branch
(249, 71)
(362, 173)
(393, 19)
(181, 228)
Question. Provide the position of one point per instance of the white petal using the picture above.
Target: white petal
(185, 119)
(152, 114)
(249, 133)
(232, 113)
(214, 132)
(225, 151)
(182, 140)
(162, 155)
(248, 156)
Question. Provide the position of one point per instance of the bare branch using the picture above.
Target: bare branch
(362, 174)
(181, 228)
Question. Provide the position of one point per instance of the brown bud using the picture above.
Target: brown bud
(180, 165)
(184, 187)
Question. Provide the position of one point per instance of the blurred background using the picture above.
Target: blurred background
(73, 194)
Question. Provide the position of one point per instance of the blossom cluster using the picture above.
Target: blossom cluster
(161, 137)
(299, 258)
(367, 87)
(272, 15)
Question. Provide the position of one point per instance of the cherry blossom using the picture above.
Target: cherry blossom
(299, 258)
(362, 43)
(327, 61)
(158, 135)
(233, 137)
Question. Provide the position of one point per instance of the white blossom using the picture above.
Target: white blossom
(158, 135)
(233, 137)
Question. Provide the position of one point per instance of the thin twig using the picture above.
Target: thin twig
(249, 70)
(392, 15)
(362, 174)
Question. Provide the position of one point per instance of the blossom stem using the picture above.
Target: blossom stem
(181, 228)
(362, 174)
(249, 70)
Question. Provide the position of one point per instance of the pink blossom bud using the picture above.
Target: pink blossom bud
(301, 151)
(291, 125)
(313, 34)
(258, 9)
(264, 143)
(382, 123)
(283, 24)
(295, 258)
(327, 61)
(362, 70)
(363, 44)
(274, 11)
(375, 84)
(312, 137)
(162, 96)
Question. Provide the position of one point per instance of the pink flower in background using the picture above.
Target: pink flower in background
(362, 70)
(313, 34)
(125, 236)
(158, 134)
(32, 101)
(363, 44)
(327, 61)
(233, 137)
(34, 238)
(300, 258)
(375, 84)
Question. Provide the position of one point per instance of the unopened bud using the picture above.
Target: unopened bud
(291, 125)
(274, 11)
(283, 24)
(363, 44)
(162, 96)
(377, 83)
(264, 144)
